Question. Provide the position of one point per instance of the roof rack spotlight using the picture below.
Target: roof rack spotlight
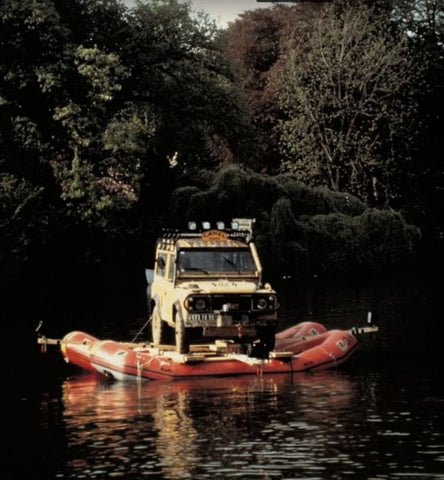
(192, 225)
(206, 225)
(220, 225)
(245, 223)
(235, 225)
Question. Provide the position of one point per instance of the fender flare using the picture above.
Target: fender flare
(155, 299)
(177, 308)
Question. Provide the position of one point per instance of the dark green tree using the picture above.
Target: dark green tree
(95, 101)
(423, 24)
(58, 94)
(347, 90)
(256, 42)
(301, 230)
(177, 68)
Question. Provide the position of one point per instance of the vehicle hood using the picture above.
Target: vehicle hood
(220, 286)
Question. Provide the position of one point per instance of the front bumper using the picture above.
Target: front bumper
(222, 320)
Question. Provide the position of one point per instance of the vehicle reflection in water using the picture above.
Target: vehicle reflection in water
(380, 417)
(204, 428)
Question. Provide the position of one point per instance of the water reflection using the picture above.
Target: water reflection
(331, 425)
(375, 421)
(207, 427)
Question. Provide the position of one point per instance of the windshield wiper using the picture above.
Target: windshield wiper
(235, 267)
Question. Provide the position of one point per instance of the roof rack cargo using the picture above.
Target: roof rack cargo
(240, 228)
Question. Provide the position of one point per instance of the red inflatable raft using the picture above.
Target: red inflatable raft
(306, 346)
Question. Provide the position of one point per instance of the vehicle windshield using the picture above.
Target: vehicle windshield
(238, 261)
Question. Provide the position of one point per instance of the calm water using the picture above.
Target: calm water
(378, 417)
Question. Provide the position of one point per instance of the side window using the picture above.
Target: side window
(161, 264)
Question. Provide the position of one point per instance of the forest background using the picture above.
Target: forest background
(322, 120)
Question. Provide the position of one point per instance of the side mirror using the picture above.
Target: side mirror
(161, 262)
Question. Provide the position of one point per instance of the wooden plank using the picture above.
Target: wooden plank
(364, 330)
(183, 358)
(48, 341)
(274, 354)
(255, 362)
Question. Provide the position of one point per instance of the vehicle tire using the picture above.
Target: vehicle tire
(182, 342)
(158, 327)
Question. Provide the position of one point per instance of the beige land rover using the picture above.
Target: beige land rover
(206, 285)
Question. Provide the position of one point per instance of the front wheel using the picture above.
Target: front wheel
(158, 327)
(182, 342)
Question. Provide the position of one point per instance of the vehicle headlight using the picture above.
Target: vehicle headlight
(261, 304)
(273, 301)
(265, 303)
(197, 304)
(200, 304)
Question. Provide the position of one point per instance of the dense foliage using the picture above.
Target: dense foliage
(349, 97)
(309, 230)
(96, 100)
(347, 121)
(115, 121)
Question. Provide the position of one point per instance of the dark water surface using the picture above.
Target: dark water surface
(380, 416)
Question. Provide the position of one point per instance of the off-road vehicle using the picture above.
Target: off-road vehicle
(206, 285)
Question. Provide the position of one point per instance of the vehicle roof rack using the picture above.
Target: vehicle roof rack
(240, 228)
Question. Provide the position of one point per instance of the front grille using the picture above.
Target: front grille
(237, 302)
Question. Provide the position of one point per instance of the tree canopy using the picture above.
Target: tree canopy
(346, 90)
(349, 97)
(97, 99)
(116, 120)
(310, 230)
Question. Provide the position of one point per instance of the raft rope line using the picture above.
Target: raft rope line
(142, 329)
(329, 355)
